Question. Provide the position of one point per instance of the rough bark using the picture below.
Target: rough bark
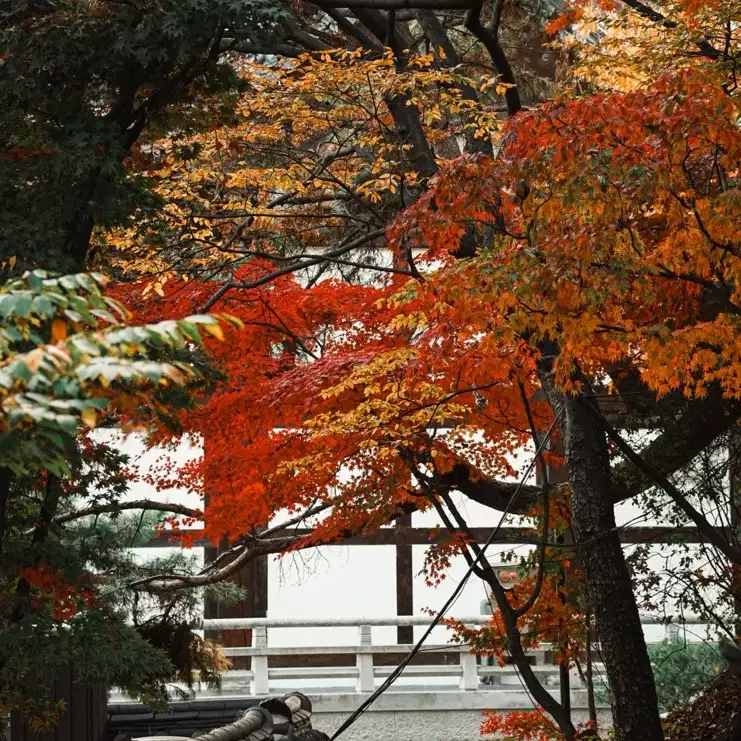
(608, 582)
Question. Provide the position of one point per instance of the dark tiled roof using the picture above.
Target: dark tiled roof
(184, 718)
(278, 718)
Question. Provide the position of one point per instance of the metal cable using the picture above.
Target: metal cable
(453, 597)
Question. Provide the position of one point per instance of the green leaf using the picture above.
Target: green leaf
(42, 306)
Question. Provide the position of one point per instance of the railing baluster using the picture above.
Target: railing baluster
(469, 669)
(260, 662)
(365, 681)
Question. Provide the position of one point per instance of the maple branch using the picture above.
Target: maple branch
(216, 297)
(291, 197)
(478, 570)
(514, 639)
(310, 262)
(287, 330)
(405, 114)
(712, 533)
(321, 163)
(378, 268)
(524, 608)
(338, 261)
(145, 504)
(296, 520)
(725, 246)
(437, 35)
(688, 435)
(297, 200)
(490, 40)
(653, 15)
(489, 492)
(288, 269)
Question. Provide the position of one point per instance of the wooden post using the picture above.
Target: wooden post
(404, 584)
(260, 681)
(253, 579)
(469, 670)
(84, 717)
(364, 660)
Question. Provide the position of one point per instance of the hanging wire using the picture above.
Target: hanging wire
(451, 600)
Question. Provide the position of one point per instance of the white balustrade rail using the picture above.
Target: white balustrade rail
(467, 671)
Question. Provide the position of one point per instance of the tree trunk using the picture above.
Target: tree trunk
(734, 519)
(633, 694)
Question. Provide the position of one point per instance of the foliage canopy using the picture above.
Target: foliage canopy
(438, 243)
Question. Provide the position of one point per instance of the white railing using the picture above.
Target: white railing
(468, 672)
(364, 672)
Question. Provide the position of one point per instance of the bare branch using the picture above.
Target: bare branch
(686, 436)
(354, 31)
(253, 546)
(145, 504)
(288, 269)
(168, 582)
(713, 535)
(490, 39)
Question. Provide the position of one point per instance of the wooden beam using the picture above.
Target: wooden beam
(505, 535)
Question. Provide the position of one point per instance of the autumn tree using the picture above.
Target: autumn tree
(568, 268)
(588, 256)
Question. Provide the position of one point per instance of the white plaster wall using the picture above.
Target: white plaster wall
(447, 716)
(347, 581)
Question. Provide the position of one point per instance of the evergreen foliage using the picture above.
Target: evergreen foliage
(68, 361)
(81, 81)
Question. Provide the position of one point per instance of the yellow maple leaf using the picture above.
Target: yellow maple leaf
(89, 417)
(215, 330)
